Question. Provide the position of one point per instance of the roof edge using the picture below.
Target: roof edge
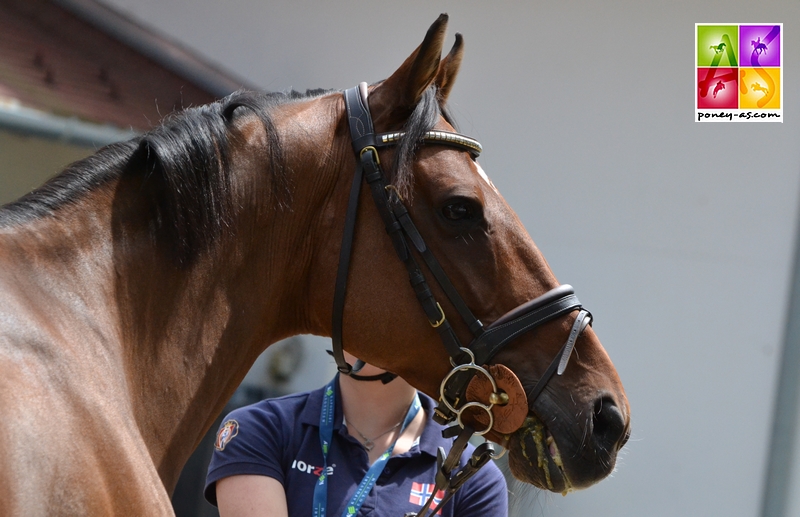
(69, 130)
(157, 47)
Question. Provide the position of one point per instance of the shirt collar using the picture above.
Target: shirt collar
(429, 442)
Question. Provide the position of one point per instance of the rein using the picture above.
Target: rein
(487, 340)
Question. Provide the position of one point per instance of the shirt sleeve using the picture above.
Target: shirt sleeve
(249, 441)
(484, 494)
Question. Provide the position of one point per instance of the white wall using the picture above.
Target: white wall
(678, 236)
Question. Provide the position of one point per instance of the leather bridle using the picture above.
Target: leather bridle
(487, 340)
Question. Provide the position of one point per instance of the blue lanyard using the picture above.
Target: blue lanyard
(325, 438)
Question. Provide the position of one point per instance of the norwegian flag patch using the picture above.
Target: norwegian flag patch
(420, 492)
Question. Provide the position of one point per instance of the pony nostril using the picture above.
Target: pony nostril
(609, 424)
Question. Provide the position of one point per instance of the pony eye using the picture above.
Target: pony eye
(457, 211)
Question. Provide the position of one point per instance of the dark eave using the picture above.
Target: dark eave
(79, 62)
(167, 53)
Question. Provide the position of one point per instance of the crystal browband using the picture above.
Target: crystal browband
(435, 137)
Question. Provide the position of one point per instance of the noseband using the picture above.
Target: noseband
(487, 340)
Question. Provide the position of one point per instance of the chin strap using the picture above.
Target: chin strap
(385, 377)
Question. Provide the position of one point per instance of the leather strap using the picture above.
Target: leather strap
(536, 312)
(490, 342)
(487, 342)
(385, 377)
(583, 319)
(359, 119)
(474, 324)
(562, 357)
(340, 287)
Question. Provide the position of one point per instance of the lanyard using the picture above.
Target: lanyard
(325, 438)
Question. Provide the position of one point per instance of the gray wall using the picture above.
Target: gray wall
(26, 162)
(677, 235)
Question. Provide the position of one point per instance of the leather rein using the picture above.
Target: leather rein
(487, 340)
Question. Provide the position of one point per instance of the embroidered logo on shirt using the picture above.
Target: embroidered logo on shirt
(225, 434)
(420, 492)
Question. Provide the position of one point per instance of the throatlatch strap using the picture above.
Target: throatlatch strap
(361, 131)
(340, 288)
(385, 377)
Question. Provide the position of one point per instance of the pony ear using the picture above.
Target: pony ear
(448, 69)
(393, 100)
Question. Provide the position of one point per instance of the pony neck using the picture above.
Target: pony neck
(165, 345)
(191, 332)
(169, 341)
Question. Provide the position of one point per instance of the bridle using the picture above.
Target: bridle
(487, 340)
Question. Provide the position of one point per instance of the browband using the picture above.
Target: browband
(433, 137)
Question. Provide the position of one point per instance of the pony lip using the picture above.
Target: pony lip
(539, 461)
(555, 455)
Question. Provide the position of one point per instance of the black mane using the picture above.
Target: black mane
(70, 184)
(186, 161)
(187, 164)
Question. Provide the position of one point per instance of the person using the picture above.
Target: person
(268, 457)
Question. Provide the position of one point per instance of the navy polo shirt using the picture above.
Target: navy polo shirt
(279, 438)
